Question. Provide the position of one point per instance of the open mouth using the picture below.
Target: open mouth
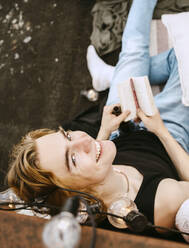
(98, 150)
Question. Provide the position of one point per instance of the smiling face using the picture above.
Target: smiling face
(75, 158)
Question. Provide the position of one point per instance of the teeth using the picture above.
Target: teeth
(98, 150)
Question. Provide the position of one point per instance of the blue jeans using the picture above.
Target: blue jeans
(134, 60)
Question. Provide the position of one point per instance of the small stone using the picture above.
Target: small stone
(25, 1)
(7, 17)
(15, 26)
(1, 7)
(22, 70)
(21, 22)
(16, 6)
(27, 39)
(1, 42)
(14, 42)
(11, 71)
(27, 26)
(56, 60)
(1, 66)
(14, 21)
(4, 21)
(16, 56)
(54, 5)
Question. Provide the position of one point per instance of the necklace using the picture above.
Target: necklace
(121, 206)
(125, 176)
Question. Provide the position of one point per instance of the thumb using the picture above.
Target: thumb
(123, 115)
(141, 114)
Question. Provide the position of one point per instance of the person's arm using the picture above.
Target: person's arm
(110, 122)
(178, 155)
(169, 197)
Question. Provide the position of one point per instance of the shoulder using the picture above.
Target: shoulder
(169, 197)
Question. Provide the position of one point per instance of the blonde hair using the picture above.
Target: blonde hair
(26, 178)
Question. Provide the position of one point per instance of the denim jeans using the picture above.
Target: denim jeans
(134, 60)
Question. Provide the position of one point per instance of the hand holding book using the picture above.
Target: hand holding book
(111, 121)
(153, 123)
(136, 93)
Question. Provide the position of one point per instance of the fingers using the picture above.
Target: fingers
(116, 111)
(116, 104)
(123, 116)
(137, 120)
(140, 114)
(113, 109)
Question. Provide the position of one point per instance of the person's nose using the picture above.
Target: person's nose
(82, 143)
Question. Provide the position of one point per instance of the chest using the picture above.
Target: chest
(135, 179)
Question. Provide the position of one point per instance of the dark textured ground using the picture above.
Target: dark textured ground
(42, 65)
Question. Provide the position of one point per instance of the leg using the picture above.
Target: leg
(134, 58)
(102, 73)
(159, 68)
(174, 114)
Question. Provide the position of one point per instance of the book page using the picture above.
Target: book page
(144, 95)
(126, 99)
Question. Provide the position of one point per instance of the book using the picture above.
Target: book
(136, 93)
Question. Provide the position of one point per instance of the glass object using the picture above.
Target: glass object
(9, 196)
(62, 230)
(122, 206)
(92, 95)
(82, 215)
(13, 201)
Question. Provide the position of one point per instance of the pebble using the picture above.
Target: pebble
(16, 56)
(14, 21)
(27, 39)
(11, 71)
(21, 70)
(1, 66)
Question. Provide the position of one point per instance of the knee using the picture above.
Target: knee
(172, 59)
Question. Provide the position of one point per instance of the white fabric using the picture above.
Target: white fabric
(182, 219)
(178, 29)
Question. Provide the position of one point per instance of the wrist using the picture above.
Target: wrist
(103, 134)
(162, 132)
